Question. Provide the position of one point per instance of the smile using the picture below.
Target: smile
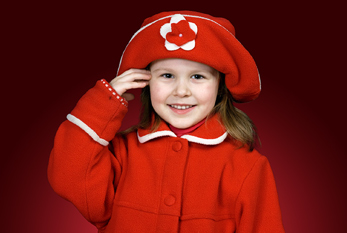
(183, 107)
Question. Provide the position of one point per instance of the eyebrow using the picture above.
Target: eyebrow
(193, 71)
(162, 69)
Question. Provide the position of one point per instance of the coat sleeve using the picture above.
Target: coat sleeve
(81, 167)
(257, 205)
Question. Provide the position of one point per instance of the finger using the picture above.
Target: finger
(128, 96)
(140, 77)
(131, 79)
(136, 84)
(135, 74)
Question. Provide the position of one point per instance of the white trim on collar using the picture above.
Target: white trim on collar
(205, 141)
(150, 136)
(190, 138)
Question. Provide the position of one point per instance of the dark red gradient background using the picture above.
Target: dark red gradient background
(53, 52)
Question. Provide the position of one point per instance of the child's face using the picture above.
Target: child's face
(183, 92)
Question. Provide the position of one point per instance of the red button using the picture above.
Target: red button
(169, 200)
(177, 146)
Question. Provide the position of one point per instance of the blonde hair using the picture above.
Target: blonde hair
(238, 125)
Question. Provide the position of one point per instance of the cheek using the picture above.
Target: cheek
(208, 95)
(156, 92)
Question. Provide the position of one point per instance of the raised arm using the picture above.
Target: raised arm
(81, 167)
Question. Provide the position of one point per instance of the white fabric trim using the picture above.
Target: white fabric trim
(150, 136)
(141, 29)
(205, 141)
(87, 129)
(193, 16)
(169, 16)
(190, 138)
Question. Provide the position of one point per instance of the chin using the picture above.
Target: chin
(182, 125)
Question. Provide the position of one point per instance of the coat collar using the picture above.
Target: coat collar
(210, 133)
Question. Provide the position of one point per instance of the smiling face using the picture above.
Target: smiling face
(183, 92)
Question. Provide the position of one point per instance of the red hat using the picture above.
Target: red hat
(197, 37)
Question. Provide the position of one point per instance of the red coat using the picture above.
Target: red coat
(157, 182)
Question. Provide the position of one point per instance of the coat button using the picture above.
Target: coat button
(177, 146)
(169, 200)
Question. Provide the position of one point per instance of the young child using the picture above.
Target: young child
(190, 165)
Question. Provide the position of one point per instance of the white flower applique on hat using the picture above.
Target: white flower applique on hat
(179, 33)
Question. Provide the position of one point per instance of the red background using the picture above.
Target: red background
(55, 51)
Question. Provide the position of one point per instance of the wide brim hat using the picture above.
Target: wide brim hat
(197, 37)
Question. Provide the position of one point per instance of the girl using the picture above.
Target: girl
(190, 165)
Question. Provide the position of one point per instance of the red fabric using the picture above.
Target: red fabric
(181, 33)
(214, 44)
(167, 184)
(180, 132)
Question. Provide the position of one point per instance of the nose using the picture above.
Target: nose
(182, 88)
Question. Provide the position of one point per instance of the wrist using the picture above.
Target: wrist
(108, 86)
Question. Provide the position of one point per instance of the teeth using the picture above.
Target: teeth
(181, 106)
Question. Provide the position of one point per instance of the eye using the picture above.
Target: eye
(198, 76)
(167, 75)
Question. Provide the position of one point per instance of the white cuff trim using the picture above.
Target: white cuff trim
(120, 98)
(87, 129)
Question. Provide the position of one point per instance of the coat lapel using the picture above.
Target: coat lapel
(212, 132)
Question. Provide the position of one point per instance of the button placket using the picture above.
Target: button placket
(173, 177)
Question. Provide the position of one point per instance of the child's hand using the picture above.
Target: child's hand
(130, 79)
